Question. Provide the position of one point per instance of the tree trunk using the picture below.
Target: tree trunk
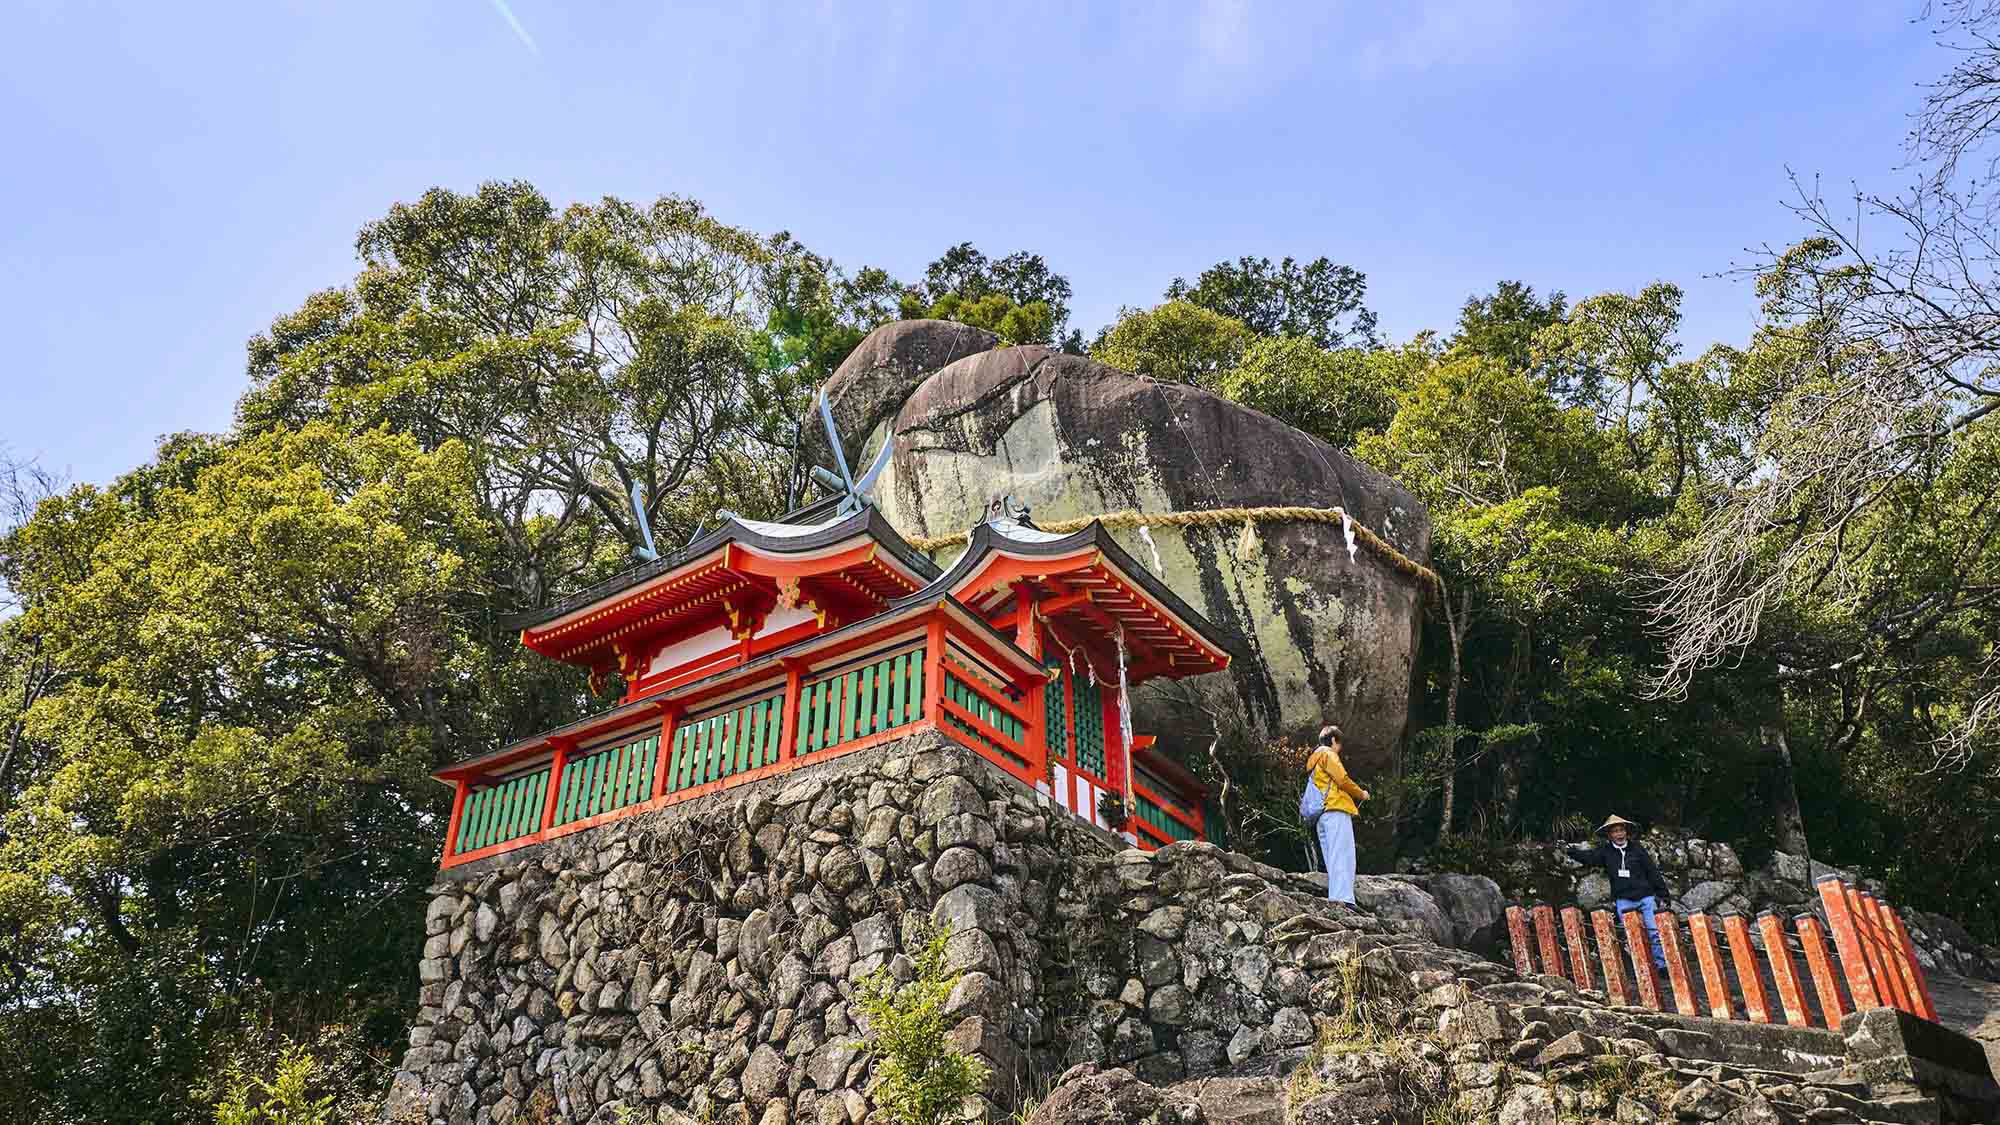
(1456, 624)
(1790, 821)
(33, 676)
(1514, 756)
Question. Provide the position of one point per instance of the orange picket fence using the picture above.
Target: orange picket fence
(1871, 963)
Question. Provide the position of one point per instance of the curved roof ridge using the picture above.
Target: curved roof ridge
(766, 534)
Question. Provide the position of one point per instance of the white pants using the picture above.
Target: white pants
(1336, 847)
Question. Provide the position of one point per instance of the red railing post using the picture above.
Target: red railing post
(1784, 973)
(1847, 942)
(460, 790)
(1909, 951)
(1888, 988)
(1640, 951)
(1677, 970)
(1517, 936)
(557, 762)
(1579, 947)
(1902, 981)
(670, 718)
(1545, 937)
(1607, 955)
(1825, 985)
(1713, 982)
(1756, 1003)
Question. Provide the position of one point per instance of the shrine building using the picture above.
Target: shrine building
(763, 648)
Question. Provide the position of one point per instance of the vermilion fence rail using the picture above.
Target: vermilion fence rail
(884, 686)
(1872, 962)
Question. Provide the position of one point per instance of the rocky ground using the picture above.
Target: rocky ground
(1366, 1017)
(1970, 1006)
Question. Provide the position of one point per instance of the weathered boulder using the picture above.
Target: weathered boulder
(880, 373)
(1111, 1097)
(1472, 904)
(1317, 631)
(1387, 897)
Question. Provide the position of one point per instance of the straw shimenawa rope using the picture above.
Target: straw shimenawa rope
(1220, 517)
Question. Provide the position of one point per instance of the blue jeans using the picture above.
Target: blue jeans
(1645, 908)
(1336, 847)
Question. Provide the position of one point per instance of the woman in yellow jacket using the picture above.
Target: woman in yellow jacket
(1335, 794)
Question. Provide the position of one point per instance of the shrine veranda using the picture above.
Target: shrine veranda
(763, 648)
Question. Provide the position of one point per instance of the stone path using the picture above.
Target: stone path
(1970, 1006)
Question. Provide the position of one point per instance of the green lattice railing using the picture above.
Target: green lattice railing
(1151, 813)
(608, 779)
(959, 689)
(1053, 715)
(881, 695)
(503, 812)
(728, 742)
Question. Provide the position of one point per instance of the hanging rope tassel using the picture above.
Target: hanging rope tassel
(1246, 543)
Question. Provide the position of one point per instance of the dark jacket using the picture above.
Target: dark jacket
(1644, 880)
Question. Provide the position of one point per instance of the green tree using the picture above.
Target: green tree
(1506, 473)
(1333, 396)
(1016, 297)
(1177, 341)
(1503, 324)
(1319, 300)
(265, 649)
(925, 1079)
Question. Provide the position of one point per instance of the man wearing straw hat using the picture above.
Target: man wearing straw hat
(1636, 882)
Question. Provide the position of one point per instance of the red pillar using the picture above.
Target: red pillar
(557, 762)
(670, 718)
(1517, 935)
(1908, 949)
(934, 667)
(1579, 948)
(457, 816)
(1545, 937)
(1784, 974)
(1607, 954)
(1825, 984)
(1677, 970)
(1712, 979)
(1847, 942)
(1756, 1003)
(788, 728)
(1028, 638)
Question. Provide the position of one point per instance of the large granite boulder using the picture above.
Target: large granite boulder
(1318, 631)
(1473, 905)
(880, 373)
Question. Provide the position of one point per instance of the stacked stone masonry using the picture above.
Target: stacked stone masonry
(701, 963)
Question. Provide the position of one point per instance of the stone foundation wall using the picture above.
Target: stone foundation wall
(706, 956)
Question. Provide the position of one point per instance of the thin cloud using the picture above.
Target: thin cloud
(1222, 29)
(507, 13)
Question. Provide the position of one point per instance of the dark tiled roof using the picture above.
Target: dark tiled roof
(1036, 543)
(867, 520)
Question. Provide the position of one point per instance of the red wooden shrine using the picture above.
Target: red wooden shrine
(766, 647)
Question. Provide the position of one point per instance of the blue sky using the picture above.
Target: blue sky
(176, 175)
